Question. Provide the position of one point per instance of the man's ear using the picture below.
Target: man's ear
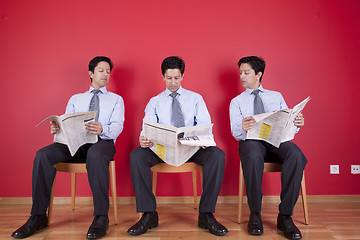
(91, 74)
(258, 75)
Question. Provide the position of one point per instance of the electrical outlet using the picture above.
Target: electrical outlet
(334, 169)
(355, 169)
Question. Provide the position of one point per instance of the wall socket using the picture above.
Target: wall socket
(334, 169)
(355, 169)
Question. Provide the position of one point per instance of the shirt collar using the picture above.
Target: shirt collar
(248, 91)
(179, 91)
(103, 89)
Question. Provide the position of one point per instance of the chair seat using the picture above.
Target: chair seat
(271, 167)
(186, 167)
(79, 166)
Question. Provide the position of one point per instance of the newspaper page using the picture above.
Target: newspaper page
(276, 127)
(167, 143)
(290, 128)
(197, 135)
(72, 131)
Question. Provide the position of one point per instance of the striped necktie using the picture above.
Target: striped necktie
(94, 103)
(177, 117)
(258, 104)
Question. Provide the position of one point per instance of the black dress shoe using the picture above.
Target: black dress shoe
(208, 221)
(148, 220)
(34, 223)
(255, 226)
(286, 224)
(98, 227)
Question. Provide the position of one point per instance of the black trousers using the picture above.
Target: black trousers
(97, 157)
(142, 159)
(254, 153)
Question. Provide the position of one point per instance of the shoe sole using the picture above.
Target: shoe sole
(215, 233)
(37, 229)
(255, 234)
(283, 231)
(107, 228)
(154, 226)
(150, 227)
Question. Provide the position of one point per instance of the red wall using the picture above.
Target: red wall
(311, 48)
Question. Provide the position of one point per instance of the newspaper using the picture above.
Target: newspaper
(72, 129)
(276, 127)
(176, 145)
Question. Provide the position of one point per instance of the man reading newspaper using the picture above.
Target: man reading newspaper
(255, 100)
(178, 107)
(107, 126)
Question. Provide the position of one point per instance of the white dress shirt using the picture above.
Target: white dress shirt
(111, 114)
(242, 106)
(192, 105)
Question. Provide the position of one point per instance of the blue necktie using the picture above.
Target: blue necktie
(177, 117)
(94, 103)
(258, 104)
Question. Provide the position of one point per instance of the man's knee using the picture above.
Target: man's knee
(253, 161)
(219, 155)
(211, 156)
(300, 157)
(97, 158)
(252, 156)
(251, 151)
(215, 151)
(138, 156)
(295, 154)
(43, 156)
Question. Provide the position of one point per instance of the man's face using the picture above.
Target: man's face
(100, 76)
(248, 77)
(173, 78)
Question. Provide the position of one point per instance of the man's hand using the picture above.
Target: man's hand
(54, 127)
(299, 120)
(94, 128)
(248, 123)
(144, 142)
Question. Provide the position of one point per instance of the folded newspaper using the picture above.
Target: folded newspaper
(72, 129)
(176, 145)
(276, 127)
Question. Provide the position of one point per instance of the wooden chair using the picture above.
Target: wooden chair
(186, 167)
(75, 168)
(272, 167)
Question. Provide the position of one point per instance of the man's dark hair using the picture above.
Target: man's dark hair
(94, 62)
(173, 62)
(256, 63)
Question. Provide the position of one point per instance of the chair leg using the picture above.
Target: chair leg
(194, 188)
(304, 200)
(241, 193)
(73, 187)
(51, 201)
(113, 189)
(154, 182)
